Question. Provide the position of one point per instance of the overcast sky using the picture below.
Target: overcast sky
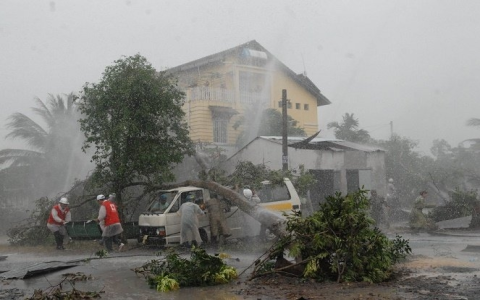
(413, 63)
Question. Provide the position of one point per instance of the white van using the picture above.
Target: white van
(162, 226)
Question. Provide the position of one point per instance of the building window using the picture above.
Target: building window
(289, 104)
(220, 131)
(305, 107)
(297, 105)
(280, 103)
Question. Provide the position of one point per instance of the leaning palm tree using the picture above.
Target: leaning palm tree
(50, 147)
(473, 122)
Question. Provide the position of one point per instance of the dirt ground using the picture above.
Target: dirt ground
(419, 278)
(439, 268)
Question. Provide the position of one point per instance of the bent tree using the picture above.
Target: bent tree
(133, 119)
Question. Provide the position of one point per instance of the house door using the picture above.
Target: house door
(357, 179)
(325, 186)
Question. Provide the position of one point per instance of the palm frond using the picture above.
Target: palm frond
(71, 102)
(25, 128)
(59, 106)
(19, 156)
(44, 112)
(473, 122)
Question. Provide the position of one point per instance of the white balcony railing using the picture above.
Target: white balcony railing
(210, 94)
(225, 95)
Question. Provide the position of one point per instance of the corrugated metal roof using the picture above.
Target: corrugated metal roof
(323, 143)
(315, 144)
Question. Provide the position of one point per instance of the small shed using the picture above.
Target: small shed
(336, 164)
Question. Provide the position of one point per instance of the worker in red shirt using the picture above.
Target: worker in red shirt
(112, 229)
(59, 216)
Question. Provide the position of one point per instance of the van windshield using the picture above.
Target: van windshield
(161, 203)
(273, 192)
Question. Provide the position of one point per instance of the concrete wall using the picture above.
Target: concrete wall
(262, 151)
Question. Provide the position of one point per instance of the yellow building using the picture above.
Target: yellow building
(246, 79)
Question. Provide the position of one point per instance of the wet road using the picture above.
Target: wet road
(114, 275)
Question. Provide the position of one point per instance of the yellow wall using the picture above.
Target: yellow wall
(307, 119)
(226, 75)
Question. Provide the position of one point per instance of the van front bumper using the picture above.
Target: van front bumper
(152, 235)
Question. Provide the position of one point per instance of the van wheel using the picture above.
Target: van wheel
(203, 235)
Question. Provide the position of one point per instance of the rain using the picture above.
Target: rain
(406, 71)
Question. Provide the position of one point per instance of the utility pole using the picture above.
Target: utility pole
(391, 129)
(284, 131)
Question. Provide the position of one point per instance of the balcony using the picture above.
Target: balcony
(210, 94)
(225, 95)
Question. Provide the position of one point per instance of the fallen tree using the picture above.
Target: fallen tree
(274, 222)
(337, 243)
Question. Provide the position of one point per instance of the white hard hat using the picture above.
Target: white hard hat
(247, 193)
(100, 197)
(390, 180)
(63, 200)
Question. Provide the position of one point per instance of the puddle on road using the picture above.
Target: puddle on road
(114, 276)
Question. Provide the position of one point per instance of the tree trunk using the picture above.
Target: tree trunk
(274, 222)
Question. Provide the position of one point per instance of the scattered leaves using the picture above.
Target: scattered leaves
(174, 272)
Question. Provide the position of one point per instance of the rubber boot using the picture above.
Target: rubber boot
(59, 240)
(108, 243)
(213, 240)
(221, 240)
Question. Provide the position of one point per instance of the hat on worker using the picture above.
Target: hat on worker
(63, 200)
(247, 193)
(100, 197)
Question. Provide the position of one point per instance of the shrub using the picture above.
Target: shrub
(339, 242)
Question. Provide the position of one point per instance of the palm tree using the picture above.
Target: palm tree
(348, 130)
(473, 122)
(50, 147)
